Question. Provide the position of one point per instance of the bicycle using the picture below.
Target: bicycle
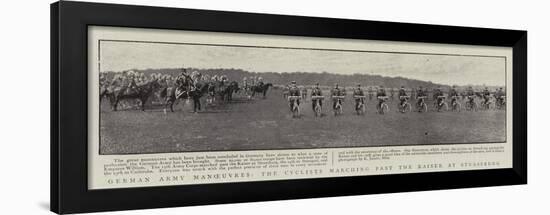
(442, 103)
(471, 104)
(501, 103)
(455, 105)
(383, 107)
(360, 104)
(318, 109)
(406, 106)
(421, 105)
(338, 109)
(294, 105)
(486, 103)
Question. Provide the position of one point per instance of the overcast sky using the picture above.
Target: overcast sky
(460, 70)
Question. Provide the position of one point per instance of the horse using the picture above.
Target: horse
(260, 89)
(103, 92)
(142, 93)
(169, 93)
(232, 88)
(224, 91)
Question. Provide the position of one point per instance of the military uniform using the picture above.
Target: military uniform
(358, 92)
(499, 96)
(294, 91)
(452, 93)
(470, 93)
(419, 93)
(316, 91)
(381, 92)
(438, 93)
(336, 92)
(402, 92)
(486, 95)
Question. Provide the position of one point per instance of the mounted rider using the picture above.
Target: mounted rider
(358, 92)
(131, 86)
(381, 93)
(184, 83)
(316, 91)
(252, 81)
(402, 95)
(336, 91)
(102, 80)
(260, 82)
(223, 80)
(196, 78)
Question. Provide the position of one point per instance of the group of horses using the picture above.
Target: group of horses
(170, 94)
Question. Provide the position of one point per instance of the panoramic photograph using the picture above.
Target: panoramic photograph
(159, 97)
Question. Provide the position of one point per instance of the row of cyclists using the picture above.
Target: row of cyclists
(338, 93)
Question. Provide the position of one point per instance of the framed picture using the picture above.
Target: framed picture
(162, 107)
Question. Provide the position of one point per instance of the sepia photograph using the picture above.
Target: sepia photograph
(166, 107)
(159, 97)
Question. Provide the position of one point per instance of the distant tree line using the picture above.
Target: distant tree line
(307, 78)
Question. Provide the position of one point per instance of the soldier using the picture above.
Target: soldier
(437, 93)
(183, 82)
(131, 82)
(499, 95)
(222, 80)
(245, 84)
(316, 91)
(304, 92)
(294, 91)
(197, 79)
(419, 93)
(102, 79)
(453, 94)
(253, 80)
(260, 81)
(402, 95)
(336, 91)
(470, 93)
(358, 92)
(486, 95)
(381, 93)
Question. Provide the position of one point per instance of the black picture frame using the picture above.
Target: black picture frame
(69, 169)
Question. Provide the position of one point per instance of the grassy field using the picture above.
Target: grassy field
(266, 124)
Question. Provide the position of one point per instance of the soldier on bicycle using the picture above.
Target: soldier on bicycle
(453, 94)
(316, 91)
(437, 93)
(420, 93)
(293, 90)
(470, 94)
(486, 95)
(499, 96)
(381, 93)
(402, 95)
(358, 92)
(336, 91)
